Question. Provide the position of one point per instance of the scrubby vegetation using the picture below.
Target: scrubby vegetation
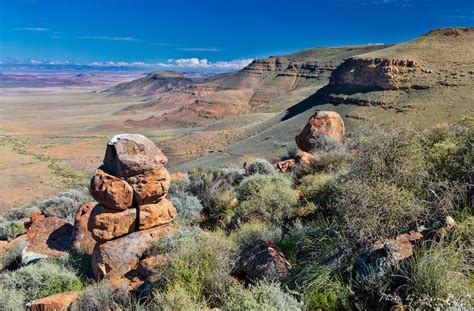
(324, 217)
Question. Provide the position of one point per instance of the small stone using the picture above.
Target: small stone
(56, 302)
(109, 224)
(110, 191)
(150, 186)
(152, 215)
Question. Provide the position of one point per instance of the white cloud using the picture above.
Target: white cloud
(40, 29)
(205, 64)
(199, 49)
(108, 38)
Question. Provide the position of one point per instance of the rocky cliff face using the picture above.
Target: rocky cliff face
(378, 73)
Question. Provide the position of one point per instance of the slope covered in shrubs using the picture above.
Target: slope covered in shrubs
(324, 218)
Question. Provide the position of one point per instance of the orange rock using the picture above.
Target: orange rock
(323, 124)
(116, 259)
(110, 191)
(150, 186)
(82, 239)
(109, 224)
(131, 154)
(57, 302)
(285, 166)
(303, 157)
(152, 215)
(178, 176)
(36, 216)
(47, 238)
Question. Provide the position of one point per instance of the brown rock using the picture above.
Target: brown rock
(304, 158)
(150, 266)
(110, 191)
(116, 259)
(263, 260)
(178, 176)
(109, 224)
(36, 216)
(152, 215)
(131, 154)
(323, 124)
(401, 247)
(47, 238)
(56, 302)
(82, 239)
(285, 165)
(150, 186)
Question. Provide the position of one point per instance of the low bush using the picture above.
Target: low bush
(102, 296)
(40, 280)
(187, 205)
(260, 166)
(12, 257)
(251, 232)
(198, 265)
(314, 186)
(11, 299)
(10, 229)
(19, 213)
(65, 204)
(267, 198)
(261, 297)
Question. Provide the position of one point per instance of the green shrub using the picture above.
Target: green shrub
(199, 263)
(65, 204)
(261, 296)
(253, 231)
(438, 276)
(178, 297)
(102, 296)
(377, 211)
(188, 206)
(260, 166)
(17, 214)
(312, 187)
(11, 299)
(268, 198)
(10, 229)
(321, 288)
(40, 280)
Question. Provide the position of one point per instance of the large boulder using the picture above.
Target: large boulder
(119, 259)
(56, 302)
(47, 238)
(152, 215)
(110, 191)
(150, 186)
(322, 125)
(109, 224)
(263, 260)
(82, 240)
(131, 154)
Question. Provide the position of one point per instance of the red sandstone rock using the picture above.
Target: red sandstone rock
(82, 239)
(131, 154)
(150, 186)
(47, 238)
(116, 259)
(109, 224)
(285, 165)
(323, 124)
(152, 215)
(110, 191)
(57, 302)
(304, 158)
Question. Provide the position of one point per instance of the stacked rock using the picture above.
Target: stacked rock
(131, 188)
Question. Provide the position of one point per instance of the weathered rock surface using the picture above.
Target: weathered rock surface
(285, 165)
(263, 260)
(150, 186)
(152, 215)
(57, 302)
(150, 266)
(110, 191)
(83, 241)
(322, 125)
(109, 224)
(117, 259)
(131, 154)
(47, 238)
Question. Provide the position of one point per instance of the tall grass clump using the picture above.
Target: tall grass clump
(197, 270)
(267, 198)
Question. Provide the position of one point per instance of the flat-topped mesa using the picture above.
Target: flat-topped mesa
(377, 73)
(132, 154)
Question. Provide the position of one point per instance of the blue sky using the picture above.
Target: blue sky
(216, 30)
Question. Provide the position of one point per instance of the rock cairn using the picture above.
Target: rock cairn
(130, 188)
